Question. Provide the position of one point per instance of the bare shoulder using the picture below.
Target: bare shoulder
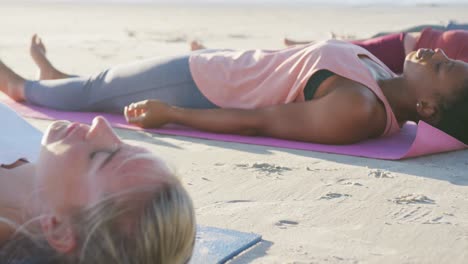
(363, 107)
(345, 112)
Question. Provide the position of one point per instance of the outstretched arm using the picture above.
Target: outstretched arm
(339, 118)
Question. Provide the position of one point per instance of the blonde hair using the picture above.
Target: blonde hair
(163, 231)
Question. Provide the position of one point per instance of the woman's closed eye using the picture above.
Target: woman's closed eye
(93, 154)
(109, 155)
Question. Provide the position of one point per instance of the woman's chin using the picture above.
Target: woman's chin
(53, 129)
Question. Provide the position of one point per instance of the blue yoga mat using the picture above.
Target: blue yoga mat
(216, 245)
(213, 245)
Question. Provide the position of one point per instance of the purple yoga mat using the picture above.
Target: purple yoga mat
(412, 140)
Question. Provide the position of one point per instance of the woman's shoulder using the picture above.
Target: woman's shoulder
(360, 94)
(362, 104)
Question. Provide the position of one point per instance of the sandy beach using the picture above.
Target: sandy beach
(309, 207)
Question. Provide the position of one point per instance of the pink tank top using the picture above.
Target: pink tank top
(258, 78)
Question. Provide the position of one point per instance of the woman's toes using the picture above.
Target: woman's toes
(37, 46)
(38, 53)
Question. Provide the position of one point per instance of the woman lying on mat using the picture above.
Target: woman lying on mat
(331, 92)
(91, 198)
(392, 48)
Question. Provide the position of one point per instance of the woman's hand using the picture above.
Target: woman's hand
(148, 113)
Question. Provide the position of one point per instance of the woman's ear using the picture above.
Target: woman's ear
(58, 233)
(428, 111)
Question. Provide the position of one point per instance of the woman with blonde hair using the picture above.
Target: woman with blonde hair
(92, 198)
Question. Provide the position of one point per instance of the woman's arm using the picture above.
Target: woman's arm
(342, 117)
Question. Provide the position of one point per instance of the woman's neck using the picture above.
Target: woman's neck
(401, 100)
(395, 89)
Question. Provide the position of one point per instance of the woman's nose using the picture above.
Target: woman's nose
(101, 133)
(440, 53)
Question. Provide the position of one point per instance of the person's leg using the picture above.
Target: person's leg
(453, 25)
(11, 83)
(46, 70)
(168, 80)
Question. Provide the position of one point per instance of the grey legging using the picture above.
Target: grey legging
(168, 80)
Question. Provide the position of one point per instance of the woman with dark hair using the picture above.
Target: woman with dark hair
(330, 92)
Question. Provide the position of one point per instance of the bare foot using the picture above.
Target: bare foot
(289, 42)
(46, 70)
(11, 83)
(195, 45)
(333, 35)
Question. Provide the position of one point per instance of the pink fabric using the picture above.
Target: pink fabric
(410, 141)
(389, 49)
(259, 78)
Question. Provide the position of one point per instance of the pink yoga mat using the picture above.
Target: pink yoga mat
(412, 140)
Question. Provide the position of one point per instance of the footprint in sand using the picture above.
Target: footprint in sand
(351, 183)
(422, 215)
(410, 214)
(380, 174)
(440, 220)
(284, 224)
(413, 199)
(330, 196)
(415, 210)
(348, 182)
(322, 169)
(265, 168)
(239, 201)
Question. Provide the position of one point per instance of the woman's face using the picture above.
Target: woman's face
(432, 72)
(80, 164)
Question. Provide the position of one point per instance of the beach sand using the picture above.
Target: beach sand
(309, 207)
